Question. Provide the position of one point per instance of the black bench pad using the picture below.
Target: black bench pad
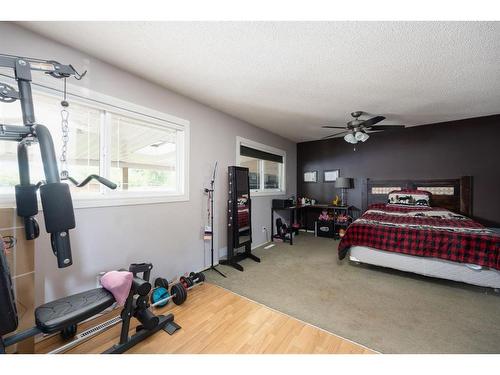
(61, 313)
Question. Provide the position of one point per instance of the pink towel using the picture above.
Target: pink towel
(118, 283)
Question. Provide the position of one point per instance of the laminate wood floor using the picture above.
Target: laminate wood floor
(215, 320)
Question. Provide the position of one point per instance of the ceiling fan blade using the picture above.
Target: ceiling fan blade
(333, 127)
(386, 127)
(333, 135)
(373, 121)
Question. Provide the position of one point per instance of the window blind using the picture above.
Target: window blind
(258, 154)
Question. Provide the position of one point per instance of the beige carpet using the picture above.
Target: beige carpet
(386, 310)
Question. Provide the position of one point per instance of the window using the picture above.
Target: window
(272, 173)
(266, 166)
(253, 166)
(144, 155)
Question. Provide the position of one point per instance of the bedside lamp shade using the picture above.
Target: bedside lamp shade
(343, 183)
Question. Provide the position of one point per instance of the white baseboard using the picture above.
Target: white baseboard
(262, 244)
(223, 252)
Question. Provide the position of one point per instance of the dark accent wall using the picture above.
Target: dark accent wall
(445, 150)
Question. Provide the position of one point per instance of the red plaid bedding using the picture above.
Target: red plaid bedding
(423, 231)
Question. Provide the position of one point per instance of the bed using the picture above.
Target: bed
(439, 241)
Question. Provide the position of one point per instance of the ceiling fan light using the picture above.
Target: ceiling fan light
(350, 138)
(365, 137)
(359, 136)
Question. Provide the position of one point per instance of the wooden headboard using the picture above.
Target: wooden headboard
(454, 194)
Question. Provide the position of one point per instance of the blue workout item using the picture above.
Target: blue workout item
(159, 294)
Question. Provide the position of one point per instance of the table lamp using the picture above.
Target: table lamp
(344, 183)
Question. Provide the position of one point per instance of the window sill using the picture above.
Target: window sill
(123, 200)
(263, 193)
(93, 201)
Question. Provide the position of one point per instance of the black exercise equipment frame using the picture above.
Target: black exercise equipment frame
(57, 209)
(129, 310)
(55, 196)
(134, 307)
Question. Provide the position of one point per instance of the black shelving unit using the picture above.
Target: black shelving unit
(347, 210)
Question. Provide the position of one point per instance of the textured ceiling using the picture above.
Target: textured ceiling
(292, 77)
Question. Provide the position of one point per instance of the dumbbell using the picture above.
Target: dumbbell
(187, 282)
(160, 291)
(160, 282)
(161, 297)
(192, 280)
(197, 278)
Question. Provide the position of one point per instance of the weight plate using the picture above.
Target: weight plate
(183, 281)
(159, 294)
(180, 293)
(176, 293)
(193, 276)
(201, 277)
(186, 281)
(161, 282)
(184, 295)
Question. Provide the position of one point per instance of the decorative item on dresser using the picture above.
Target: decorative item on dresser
(344, 183)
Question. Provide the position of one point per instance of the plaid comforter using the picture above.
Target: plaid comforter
(423, 231)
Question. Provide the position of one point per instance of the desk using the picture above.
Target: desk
(304, 210)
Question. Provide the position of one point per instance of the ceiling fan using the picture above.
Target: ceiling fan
(357, 130)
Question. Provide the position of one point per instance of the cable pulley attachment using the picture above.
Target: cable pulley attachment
(96, 177)
(64, 150)
(58, 74)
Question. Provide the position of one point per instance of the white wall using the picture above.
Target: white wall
(169, 235)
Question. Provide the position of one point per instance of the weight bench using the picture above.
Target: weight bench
(63, 315)
(64, 312)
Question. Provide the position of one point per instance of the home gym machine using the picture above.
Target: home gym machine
(239, 218)
(55, 195)
(63, 314)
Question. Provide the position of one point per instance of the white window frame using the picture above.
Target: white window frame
(240, 141)
(109, 105)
